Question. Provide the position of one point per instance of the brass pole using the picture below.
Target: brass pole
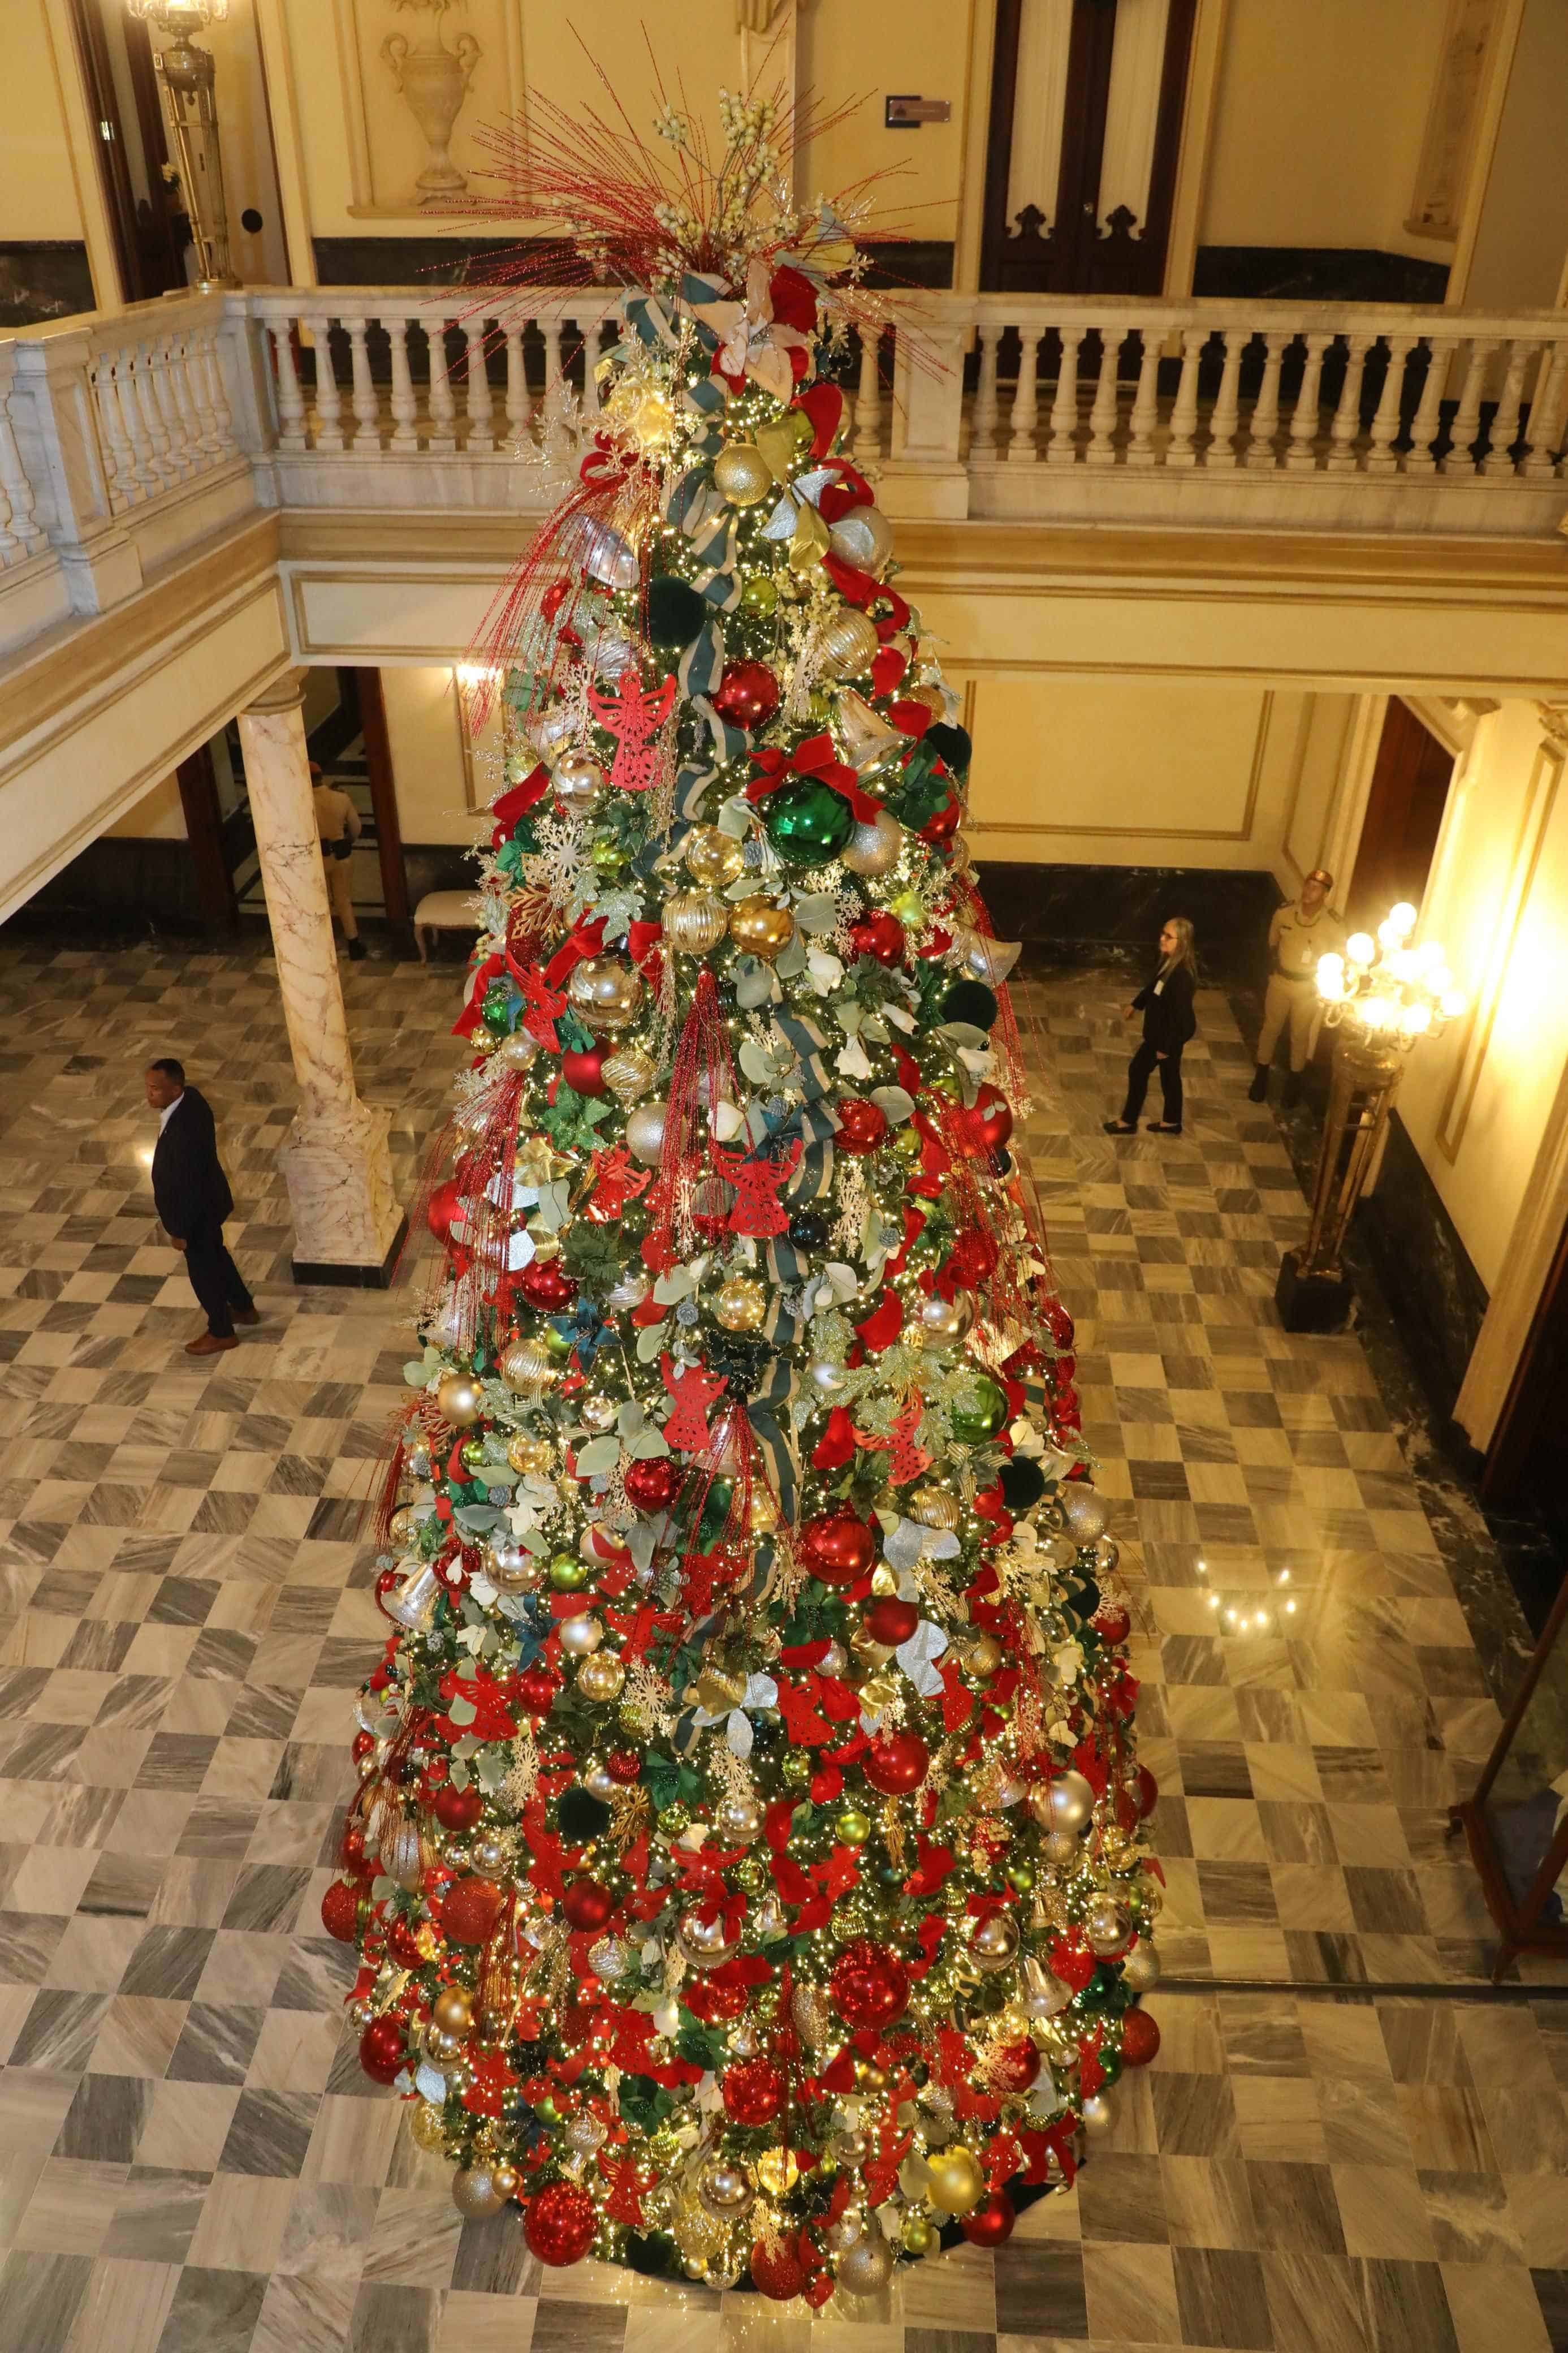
(1372, 1075)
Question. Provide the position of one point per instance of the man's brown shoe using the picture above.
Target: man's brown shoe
(248, 1316)
(210, 1343)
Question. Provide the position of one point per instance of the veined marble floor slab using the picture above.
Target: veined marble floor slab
(190, 2159)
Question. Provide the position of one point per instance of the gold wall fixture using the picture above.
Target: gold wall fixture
(187, 74)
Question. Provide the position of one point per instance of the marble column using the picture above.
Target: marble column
(347, 1220)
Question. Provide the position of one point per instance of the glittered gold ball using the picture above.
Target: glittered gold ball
(712, 858)
(761, 929)
(527, 1453)
(427, 2126)
(475, 2194)
(865, 2268)
(602, 1678)
(740, 1304)
(459, 1400)
(873, 847)
(695, 921)
(742, 474)
(957, 2182)
(453, 2009)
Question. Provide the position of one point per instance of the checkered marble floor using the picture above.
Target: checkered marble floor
(1344, 2143)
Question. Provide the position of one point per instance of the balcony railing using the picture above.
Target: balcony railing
(127, 437)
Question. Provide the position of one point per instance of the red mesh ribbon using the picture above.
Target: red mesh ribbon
(703, 1077)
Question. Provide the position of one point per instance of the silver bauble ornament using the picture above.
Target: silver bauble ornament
(487, 1854)
(724, 2190)
(865, 2268)
(580, 1637)
(1061, 1849)
(875, 847)
(1095, 2113)
(862, 539)
(1107, 1924)
(1141, 1969)
(947, 1319)
(598, 1780)
(629, 1291)
(1107, 1553)
(579, 782)
(645, 1133)
(553, 730)
(705, 1944)
(604, 556)
(400, 1856)
(1082, 1510)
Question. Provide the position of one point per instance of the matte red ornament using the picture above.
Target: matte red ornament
(587, 1903)
(869, 1984)
(836, 1547)
(1140, 2039)
(583, 1068)
(559, 2223)
(380, 2050)
(1015, 2067)
(624, 1764)
(777, 2272)
(891, 1622)
(442, 1208)
(754, 2091)
(339, 1910)
(747, 695)
(537, 1687)
(896, 1762)
(458, 1809)
(468, 1910)
(652, 1483)
(878, 933)
(990, 2224)
(546, 1287)
(862, 1126)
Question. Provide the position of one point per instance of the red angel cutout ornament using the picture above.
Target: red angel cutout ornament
(634, 718)
(758, 1181)
(693, 1392)
(613, 1184)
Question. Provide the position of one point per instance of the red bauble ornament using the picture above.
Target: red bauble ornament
(339, 1910)
(990, 2224)
(944, 824)
(351, 1853)
(1073, 1963)
(878, 933)
(537, 1687)
(380, 2050)
(714, 2003)
(583, 1068)
(1140, 2039)
(403, 1945)
(587, 1903)
(559, 2223)
(361, 1745)
(457, 1810)
(468, 1910)
(896, 1762)
(1015, 2067)
(869, 1984)
(546, 1287)
(747, 695)
(891, 1621)
(993, 1114)
(836, 1547)
(442, 1208)
(624, 1764)
(1148, 1791)
(653, 1484)
(777, 2272)
(387, 1584)
(754, 2091)
(1112, 1622)
(862, 1126)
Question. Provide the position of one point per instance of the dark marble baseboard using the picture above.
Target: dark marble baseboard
(1318, 273)
(355, 1278)
(1426, 1272)
(1079, 915)
(117, 889)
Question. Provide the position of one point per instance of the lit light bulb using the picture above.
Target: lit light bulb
(1374, 1011)
(1432, 959)
(1452, 1004)
(1418, 1018)
(1403, 919)
(1361, 948)
(1332, 977)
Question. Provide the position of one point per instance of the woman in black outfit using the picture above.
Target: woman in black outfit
(1166, 1004)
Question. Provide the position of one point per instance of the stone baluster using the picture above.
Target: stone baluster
(982, 425)
(1546, 414)
(1223, 450)
(328, 433)
(1181, 448)
(589, 330)
(119, 466)
(1264, 423)
(198, 384)
(405, 408)
(347, 1223)
(1461, 458)
(477, 401)
(1021, 450)
(366, 436)
(150, 393)
(553, 435)
(1062, 426)
(20, 534)
(518, 407)
(1381, 456)
(1301, 456)
(1345, 430)
(1427, 422)
(868, 441)
(290, 399)
(1503, 431)
(218, 394)
(189, 438)
(65, 462)
(1146, 402)
(1102, 416)
(443, 433)
(127, 395)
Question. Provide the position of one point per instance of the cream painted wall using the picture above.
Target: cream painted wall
(37, 189)
(864, 52)
(158, 816)
(1521, 242)
(1318, 124)
(250, 176)
(440, 790)
(1477, 1104)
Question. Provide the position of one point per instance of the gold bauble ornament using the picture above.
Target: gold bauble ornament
(527, 1367)
(993, 1942)
(982, 1654)
(459, 1400)
(874, 847)
(852, 1828)
(607, 993)
(483, 1039)
(475, 2192)
(738, 1821)
(740, 1304)
(777, 2171)
(628, 1073)
(579, 782)
(580, 1637)
(934, 1507)
(725, 2190)
(504, 2179)
(919, 2234)
(848, 645)
(695, 921)
(602, 1678)
(705, 1944)
(427, 2127)
(742, 474)
(527, 1454)
(402, 1527)
(865, 2268)
(957, 2182)
(453, 2009)
(761, 929)
(863, 539)
(712, 858)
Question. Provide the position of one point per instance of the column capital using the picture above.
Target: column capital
(286, 693)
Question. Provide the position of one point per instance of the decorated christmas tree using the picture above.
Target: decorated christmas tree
(747, 1867)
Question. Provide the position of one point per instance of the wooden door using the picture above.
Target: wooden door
(1081, 169)
(1404, 815)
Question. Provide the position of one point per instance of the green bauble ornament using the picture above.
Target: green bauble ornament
(606, 856)
(973, 1425)
(807, 822)
(498, 1008)
(797, 1768)
(760, 593)
(568, 1574)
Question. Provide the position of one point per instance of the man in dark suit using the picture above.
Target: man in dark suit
(190, 1195)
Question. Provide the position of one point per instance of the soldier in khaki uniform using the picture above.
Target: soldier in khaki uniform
(338, 824)
(1297, 936)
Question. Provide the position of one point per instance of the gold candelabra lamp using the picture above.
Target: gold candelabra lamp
(187, 73)
(1381, 998)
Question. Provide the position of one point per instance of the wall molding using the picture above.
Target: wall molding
(1242, 832)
